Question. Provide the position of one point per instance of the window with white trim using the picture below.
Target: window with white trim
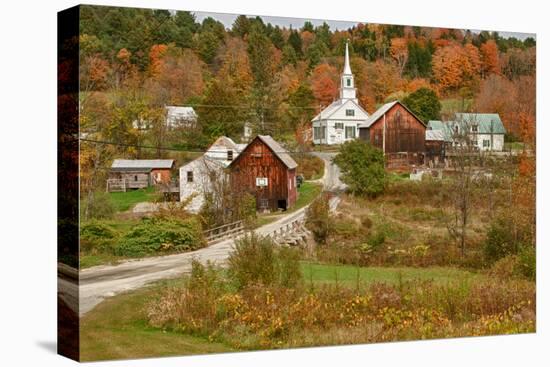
(350, 132)
(350, 112)
(338, 125)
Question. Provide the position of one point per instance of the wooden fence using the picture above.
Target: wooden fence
(221, 232)
(122, 184)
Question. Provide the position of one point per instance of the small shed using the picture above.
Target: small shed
(266, 170)
(435, 146)
(128, 174)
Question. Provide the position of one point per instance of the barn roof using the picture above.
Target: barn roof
(141, 164)
(382, 110)
(279, 151)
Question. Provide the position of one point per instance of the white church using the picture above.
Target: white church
(339, 122)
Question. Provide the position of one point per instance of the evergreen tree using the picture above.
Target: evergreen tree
(308, 26)
(295, 41)
(276, 36)
(241, 26)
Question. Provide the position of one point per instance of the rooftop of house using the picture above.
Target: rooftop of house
(141, 164)
(485, 123)
(381, 111)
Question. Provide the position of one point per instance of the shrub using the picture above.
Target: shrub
(505, 237)
(255, 260)
(362, 167)
(161, 235)
(528, 262)
(317, 218)
(95, 229)
(376, 240)
(97, 237)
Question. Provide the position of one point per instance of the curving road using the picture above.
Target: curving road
(100, 282)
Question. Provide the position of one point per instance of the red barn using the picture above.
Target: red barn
(398, 132)
(267, 171)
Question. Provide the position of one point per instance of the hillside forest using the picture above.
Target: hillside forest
(134, 62)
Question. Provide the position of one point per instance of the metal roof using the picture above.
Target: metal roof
(279, 151)
(487, 123)
(435, 135)
(377, 114)
(141, 164)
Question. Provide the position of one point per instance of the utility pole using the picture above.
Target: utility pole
(384, 135)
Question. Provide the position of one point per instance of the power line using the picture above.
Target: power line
(106, 142)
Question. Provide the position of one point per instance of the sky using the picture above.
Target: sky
(228, 19)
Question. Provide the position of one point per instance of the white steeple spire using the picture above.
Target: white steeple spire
(347, 88)
(347, 68)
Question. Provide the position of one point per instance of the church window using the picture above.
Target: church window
(348, 82)
(350, 112)
(338, 125)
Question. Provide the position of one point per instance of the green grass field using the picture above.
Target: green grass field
(349, 275)
(123, 201)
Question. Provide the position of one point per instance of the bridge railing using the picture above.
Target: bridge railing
(223, 231)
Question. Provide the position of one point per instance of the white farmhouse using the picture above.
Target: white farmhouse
(338, 122)
(197, 178)
(485, 130)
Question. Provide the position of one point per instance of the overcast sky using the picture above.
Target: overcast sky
(228, 19)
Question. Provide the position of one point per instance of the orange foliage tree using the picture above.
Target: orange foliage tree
(490, 58)
(156, 56)
(324, 83)
(455, 66)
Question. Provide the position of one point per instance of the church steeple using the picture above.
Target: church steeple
(347, 88)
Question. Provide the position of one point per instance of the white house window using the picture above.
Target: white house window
(229, 155)
(350, 112)
(261, 181)
(348, 82)
(474, 128)
(338, 125)
(319, 133)
(189, 176)
(486, 143)
(350, 132)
